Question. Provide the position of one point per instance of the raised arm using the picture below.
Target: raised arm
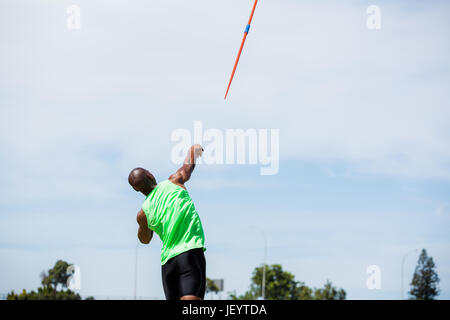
(144, 233)
(184, 173)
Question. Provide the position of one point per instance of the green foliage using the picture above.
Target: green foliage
(44, 293)
(57, 276)
(211, 286)
(281, 285)
(424, 285)
(328, 292)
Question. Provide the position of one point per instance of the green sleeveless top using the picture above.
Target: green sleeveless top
(172, 216)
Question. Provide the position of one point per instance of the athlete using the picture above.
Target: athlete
(169, 211)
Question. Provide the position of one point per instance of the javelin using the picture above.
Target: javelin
(247, 29)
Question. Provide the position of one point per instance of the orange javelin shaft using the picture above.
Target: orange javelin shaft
(247, 29)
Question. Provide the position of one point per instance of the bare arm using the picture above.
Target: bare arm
(184, 173)
(144, 233)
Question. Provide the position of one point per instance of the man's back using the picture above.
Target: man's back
(171, 213)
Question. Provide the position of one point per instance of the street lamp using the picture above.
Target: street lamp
(403, 266)
(135, 270)
(264, 265)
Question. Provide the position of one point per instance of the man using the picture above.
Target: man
(169, 211)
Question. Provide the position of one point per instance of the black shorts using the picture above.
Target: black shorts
(185, 275)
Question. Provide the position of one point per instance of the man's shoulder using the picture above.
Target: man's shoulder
(174, 184)
(141, 218)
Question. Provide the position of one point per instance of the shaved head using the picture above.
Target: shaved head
(142, 180)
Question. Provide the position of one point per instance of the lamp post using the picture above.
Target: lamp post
(135, 270)
(263, 285)
(403, 266)
(264, 267)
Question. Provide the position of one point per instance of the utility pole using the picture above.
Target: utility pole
(135, 270)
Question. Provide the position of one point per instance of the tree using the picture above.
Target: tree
(281, 285)
(329, 293)
(44, 293)
(211, 286)
(425, 281)
(57, 276)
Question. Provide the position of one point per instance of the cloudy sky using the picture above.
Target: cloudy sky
(364, 120)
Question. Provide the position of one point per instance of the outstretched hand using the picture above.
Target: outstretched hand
(197, 150)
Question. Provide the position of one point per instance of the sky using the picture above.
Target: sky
(364, 147)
